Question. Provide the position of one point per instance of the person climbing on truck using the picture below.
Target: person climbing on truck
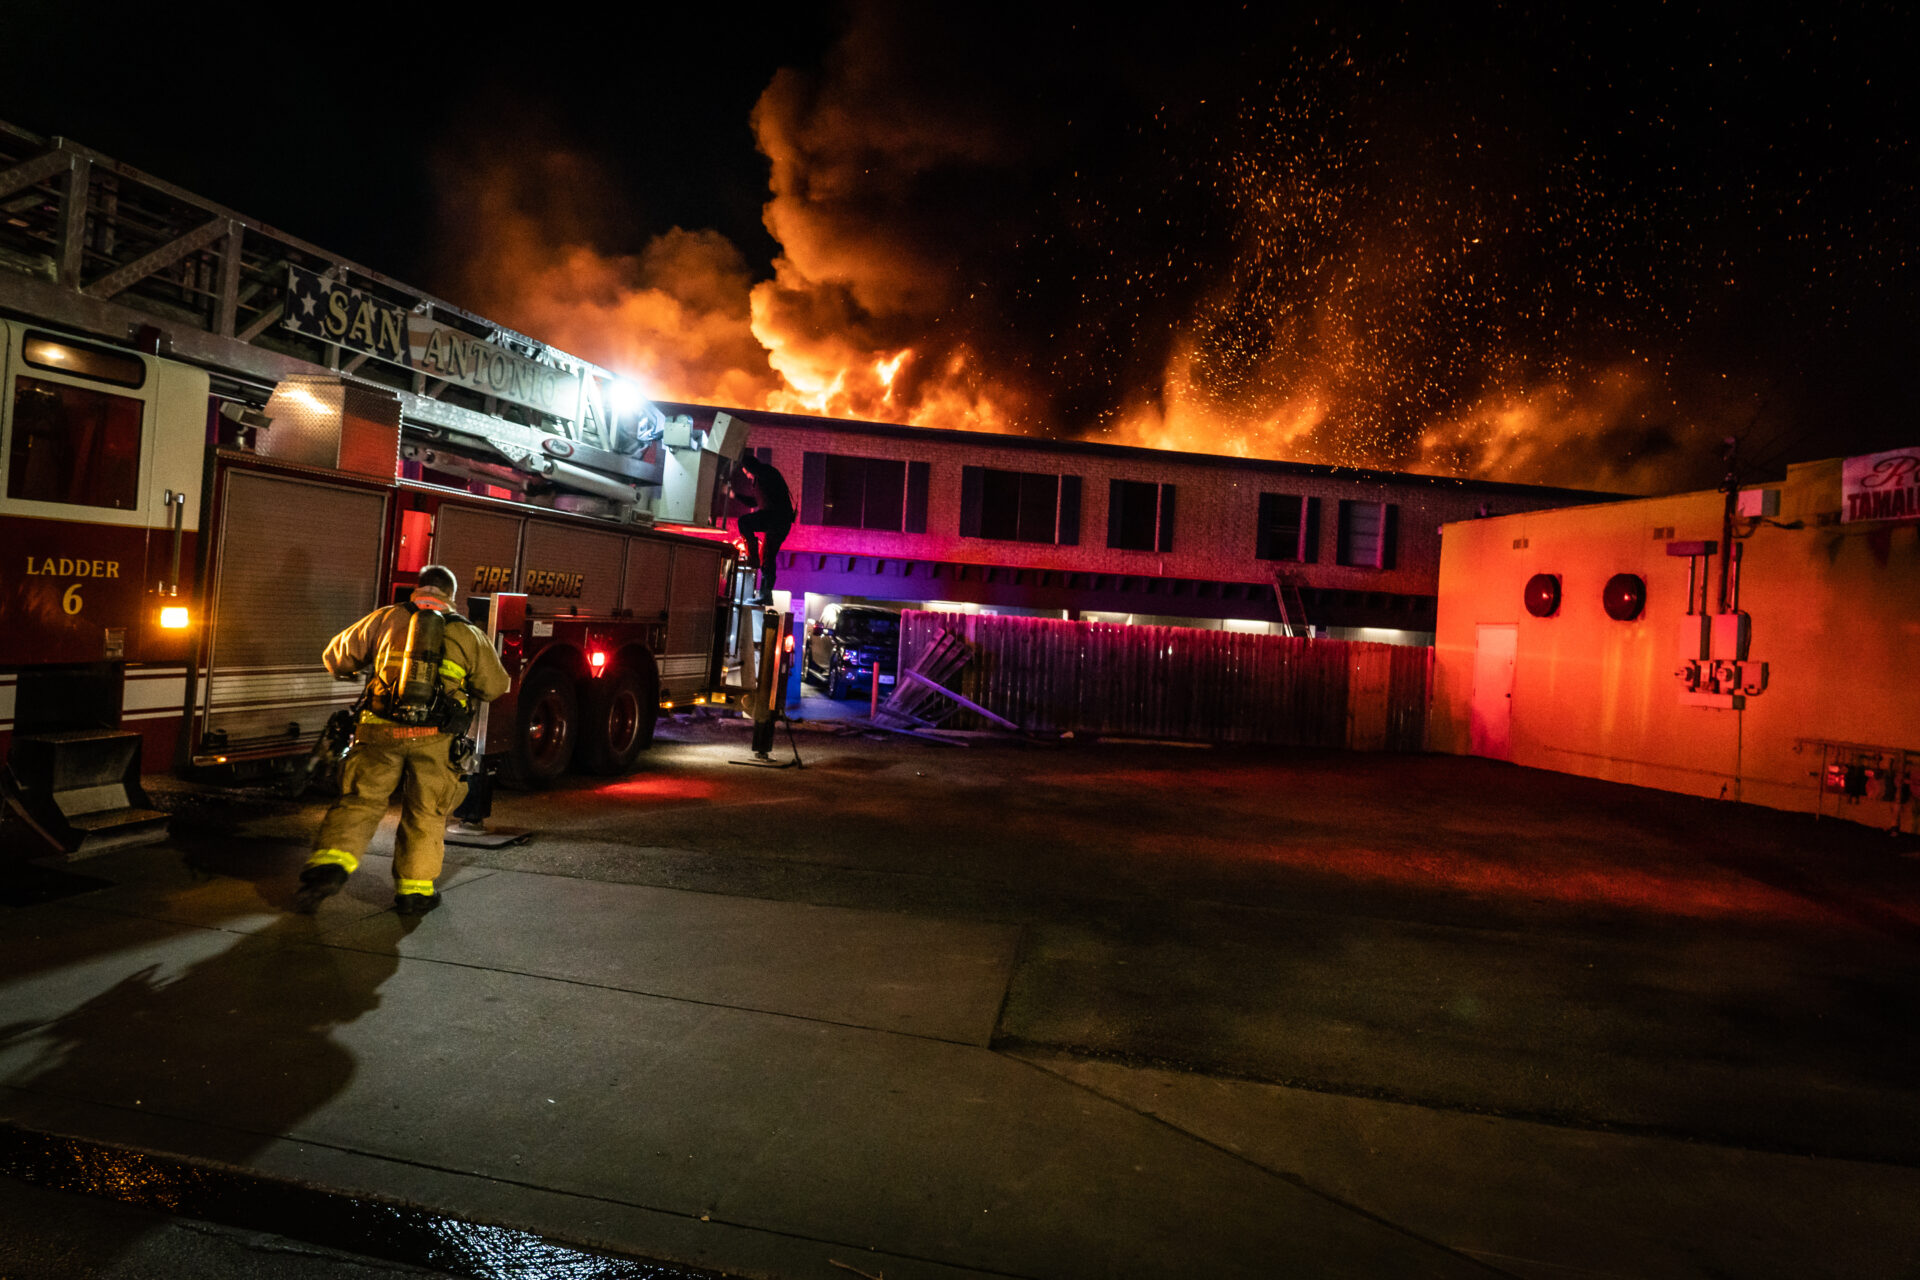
(772, 519)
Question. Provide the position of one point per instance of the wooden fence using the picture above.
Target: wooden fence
(1051, 676)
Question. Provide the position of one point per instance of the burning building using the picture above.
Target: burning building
(1010, 523)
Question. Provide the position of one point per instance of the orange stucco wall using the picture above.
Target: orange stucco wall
(1835, 612)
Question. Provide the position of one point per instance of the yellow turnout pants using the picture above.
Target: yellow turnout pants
(430, 790)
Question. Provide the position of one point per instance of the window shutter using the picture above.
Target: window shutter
(1069, 511)
(972, 484)
(1116, 503)
(1310, 531)
(1165, 542)
(1364, 528)
(1263, 548)
(1389, 533)
(813, 488)
(916, 521)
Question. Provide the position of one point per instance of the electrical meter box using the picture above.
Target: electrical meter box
(1691, 638)
(1731, 634)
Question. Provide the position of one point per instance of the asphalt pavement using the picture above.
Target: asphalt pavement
(1013, 1009)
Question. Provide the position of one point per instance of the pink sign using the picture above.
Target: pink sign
(1881, 486)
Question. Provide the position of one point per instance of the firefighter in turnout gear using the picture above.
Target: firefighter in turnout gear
(430, 670)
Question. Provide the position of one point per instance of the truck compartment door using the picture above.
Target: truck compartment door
(567, 568)
(684, 668)
(297, 561)
(481, 547)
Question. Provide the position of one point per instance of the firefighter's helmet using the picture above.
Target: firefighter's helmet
(438, 579)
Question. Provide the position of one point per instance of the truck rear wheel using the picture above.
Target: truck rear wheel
(545, 731)
(618, 714)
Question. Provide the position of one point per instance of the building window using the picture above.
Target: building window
(846, 492)
(1019, 506)
(1289, 528)
(74, 445)
(1367, 534)
(1139, 515)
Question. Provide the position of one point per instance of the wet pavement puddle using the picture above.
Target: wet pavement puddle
(360, 1225)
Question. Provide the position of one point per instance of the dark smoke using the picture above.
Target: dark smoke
(1529, 247)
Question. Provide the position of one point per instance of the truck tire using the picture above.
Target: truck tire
(836, 680)
(617, 717)
(546, 730)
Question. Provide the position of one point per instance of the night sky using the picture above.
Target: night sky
(1485, 240)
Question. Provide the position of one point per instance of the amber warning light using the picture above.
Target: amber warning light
(174, 617)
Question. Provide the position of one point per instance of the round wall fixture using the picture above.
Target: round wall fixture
(1543, 595)
(1625, 596)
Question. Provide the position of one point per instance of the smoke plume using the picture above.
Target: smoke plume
(673, 316)
(1261, 236)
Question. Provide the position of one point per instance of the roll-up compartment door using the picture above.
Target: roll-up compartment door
(481, 547)
(565, 567)
(695, 590)
(298, 562)
(648, 565)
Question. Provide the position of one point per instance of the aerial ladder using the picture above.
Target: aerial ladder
(98, 247)
(243, 350)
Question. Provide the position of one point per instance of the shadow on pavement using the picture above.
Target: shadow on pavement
(241, 1039)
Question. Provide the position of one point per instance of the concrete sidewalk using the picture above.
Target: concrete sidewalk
(770, 1088)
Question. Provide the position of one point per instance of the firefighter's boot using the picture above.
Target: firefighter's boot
(317, 884)
(415, 897)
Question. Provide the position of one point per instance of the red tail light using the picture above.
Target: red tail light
(598, 661)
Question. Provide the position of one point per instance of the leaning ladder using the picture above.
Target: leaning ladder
(1293, 608)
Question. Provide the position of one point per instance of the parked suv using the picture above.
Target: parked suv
(844, 644)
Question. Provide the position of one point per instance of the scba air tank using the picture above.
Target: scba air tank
(416, 689)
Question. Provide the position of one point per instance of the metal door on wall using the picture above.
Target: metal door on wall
(298, 562)
(1490, 720)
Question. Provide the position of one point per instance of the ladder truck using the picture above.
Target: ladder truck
(219, 445)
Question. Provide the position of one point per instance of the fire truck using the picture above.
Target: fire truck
(220, 445)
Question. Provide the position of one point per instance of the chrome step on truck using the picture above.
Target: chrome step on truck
(79, 791)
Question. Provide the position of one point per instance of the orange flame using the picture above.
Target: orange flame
(847, 327)
(674, 317)
(1189, 419)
